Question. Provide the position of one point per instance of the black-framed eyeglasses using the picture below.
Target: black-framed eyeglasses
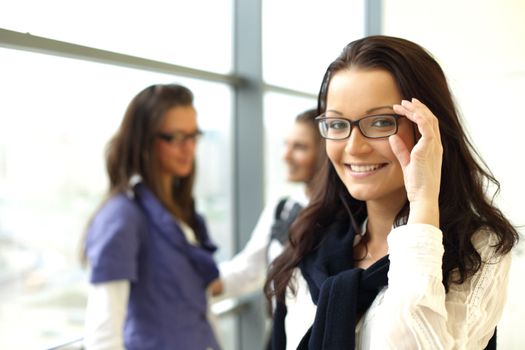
(372, 126)
(179, 137)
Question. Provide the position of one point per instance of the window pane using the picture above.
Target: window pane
(279, 115)
(157, 29)
(56, 116)
(301, 38)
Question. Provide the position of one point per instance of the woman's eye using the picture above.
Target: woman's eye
(382, 122)
(337, 125)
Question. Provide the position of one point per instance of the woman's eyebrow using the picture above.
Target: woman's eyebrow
(373, 109)
(378, 108)
(334, 111)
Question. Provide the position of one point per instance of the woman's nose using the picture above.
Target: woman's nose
(188, 145)
(357, 143)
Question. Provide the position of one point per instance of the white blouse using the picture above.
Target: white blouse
(413, 311)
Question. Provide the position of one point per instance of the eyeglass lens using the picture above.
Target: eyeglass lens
(376, 126)
(179, 137)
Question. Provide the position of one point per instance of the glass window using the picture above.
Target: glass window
(56, 117)
(195, 33)
(300, 39)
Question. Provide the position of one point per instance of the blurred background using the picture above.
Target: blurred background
(69, 68)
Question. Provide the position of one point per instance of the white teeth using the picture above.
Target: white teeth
(364, 168)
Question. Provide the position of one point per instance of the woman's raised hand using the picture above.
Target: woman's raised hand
(421, 165)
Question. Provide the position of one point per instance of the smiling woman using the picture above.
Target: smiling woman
(400, 245)
(364, 159)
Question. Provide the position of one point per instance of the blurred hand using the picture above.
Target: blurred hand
(215, 287)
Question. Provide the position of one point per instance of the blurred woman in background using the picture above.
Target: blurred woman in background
(245, 272)
(149, 253)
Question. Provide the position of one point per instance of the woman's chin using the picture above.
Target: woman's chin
(182, 171)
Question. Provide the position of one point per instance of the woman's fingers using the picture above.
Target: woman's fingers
(422, 163)
(427, 123)
(400, 150)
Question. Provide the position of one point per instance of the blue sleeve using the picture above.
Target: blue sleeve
(113, 241)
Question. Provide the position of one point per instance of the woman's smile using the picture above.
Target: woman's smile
(362, 169)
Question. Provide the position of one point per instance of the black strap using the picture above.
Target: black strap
(279, 208)
(283, 220)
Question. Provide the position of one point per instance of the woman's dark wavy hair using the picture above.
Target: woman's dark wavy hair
(464, 205)
(131, 152)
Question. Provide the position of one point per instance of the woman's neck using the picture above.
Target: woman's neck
(381, 218)
(308, 190)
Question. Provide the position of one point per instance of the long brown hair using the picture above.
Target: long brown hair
(464, 206)
(130, 151)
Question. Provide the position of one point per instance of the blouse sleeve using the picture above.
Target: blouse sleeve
(113, 242)
(417, 312)
(246, 271)
(105, 315)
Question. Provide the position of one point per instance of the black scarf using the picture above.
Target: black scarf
(340, 291)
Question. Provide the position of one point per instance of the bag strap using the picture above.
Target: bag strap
(285, 213)
(279, 208)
